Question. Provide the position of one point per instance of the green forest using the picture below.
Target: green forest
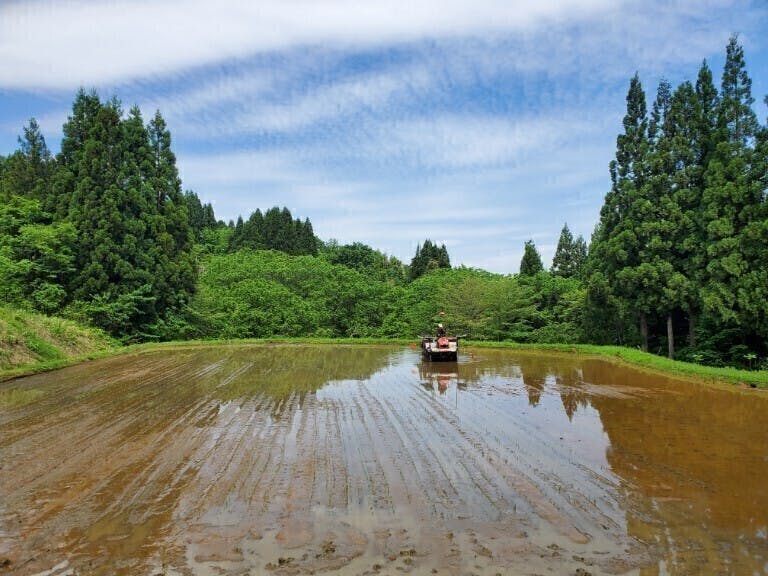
(103, 233)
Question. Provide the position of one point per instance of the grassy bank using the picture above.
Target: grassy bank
(32, 343)
(100, 346)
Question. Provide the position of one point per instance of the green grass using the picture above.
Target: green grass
(31, 342)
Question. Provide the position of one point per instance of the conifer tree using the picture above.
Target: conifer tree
(570, 255)
(307, 239)
(615, 248)
(580, 254)
(253, 232)
(77, 131)
(201, 216)
(730, 195)
(175, 271)
(236, 239)
(428, 257)
(531, 264)
(28, 171)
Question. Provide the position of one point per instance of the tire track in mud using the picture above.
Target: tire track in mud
(194, 464)
(551, 476)
(106, 443)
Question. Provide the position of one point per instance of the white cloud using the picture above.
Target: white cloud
(45, 44)
(257, 112)
(471, 142)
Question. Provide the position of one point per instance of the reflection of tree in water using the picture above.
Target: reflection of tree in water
(535, 371)
(534, 385)
(571, 392)
(694, 464)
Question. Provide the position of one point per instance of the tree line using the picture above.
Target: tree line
(682, 241)
(678, 262)
(101, 230)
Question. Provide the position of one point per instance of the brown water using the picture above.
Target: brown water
(288, 459)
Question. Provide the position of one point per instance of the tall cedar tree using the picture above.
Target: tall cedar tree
(531, 264)
(274, 230)
(731, 200)
(660, 271)
(428, 257)
(117, 184)
(28, 171)
(615, 252)
(201, 216)
(570, 255)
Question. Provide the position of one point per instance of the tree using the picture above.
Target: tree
(531, 262)
(731, 196)
(175, 270)
(615, 250)
(116, 182)
(570, 255)
(201, 216)
(306, 241)
(428, 257)
(36, 255)
(274, 230)
(28, 172)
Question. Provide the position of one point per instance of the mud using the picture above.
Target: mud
(352, 460)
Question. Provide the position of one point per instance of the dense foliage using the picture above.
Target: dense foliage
(274, 230)
(263, 293)
(429, 257)
(101, 232)
(681, 242)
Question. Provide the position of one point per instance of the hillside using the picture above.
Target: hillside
(29, 338)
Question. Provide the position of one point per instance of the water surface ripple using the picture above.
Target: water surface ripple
(302, 459)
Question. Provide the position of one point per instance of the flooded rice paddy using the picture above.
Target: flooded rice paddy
(299, 459)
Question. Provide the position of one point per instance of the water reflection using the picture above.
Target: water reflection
(533, 374)
(440, 376)
(692, 460)
(224, 459)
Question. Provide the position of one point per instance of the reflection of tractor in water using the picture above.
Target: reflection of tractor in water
(443, 374)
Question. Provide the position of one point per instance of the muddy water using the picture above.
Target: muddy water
(287, 459)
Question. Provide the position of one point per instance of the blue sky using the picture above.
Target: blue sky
(478, 124)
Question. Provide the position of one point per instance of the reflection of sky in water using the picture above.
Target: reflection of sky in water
(489, 400)
(494, 392)
(688, 460)
(599, 458)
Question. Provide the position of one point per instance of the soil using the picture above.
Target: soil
(365, 460)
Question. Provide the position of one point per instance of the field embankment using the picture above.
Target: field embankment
(31, 342)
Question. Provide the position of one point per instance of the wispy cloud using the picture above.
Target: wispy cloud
(127, 39)
(289, 109)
